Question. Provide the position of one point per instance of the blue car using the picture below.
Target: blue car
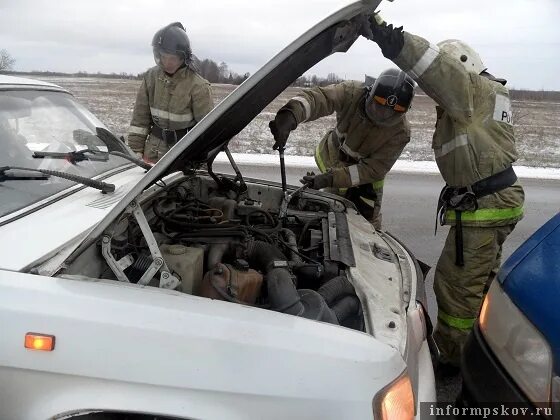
(513, 353)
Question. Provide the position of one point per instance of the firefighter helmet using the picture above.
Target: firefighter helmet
(468, 57)
(388, 99)
(172, 39)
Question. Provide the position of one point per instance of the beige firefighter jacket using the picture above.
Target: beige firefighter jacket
(171, 102)
(474, 136)
(358, 150)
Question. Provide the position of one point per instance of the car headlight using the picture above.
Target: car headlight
(518, 345)
(395, 401)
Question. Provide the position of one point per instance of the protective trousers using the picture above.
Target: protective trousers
(459, 290)
(155, 148)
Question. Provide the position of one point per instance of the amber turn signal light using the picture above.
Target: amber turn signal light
(36, 341)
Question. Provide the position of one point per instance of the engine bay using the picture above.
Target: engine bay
(284, 251)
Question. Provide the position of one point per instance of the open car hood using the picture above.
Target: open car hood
(336, 33)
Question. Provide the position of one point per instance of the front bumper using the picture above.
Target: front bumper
(485, 381)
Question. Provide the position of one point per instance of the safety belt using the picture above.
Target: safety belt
(463, 199)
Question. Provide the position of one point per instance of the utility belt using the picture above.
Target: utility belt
(463, 199)
(169, 136)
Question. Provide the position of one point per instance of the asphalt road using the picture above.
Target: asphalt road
(409, 206)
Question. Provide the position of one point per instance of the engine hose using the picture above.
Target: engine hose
(227, 205)
(292, 242)
(305, 257)
(335, 289)
(217, 233)
(282, 293)
(347, 307)
(315, 307)
(309, 273)
(179, 225)
(262, 255)
(216, 254)
(284, 297)
(260, 211)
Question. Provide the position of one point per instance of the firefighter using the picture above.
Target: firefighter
(474, 147)
(370, 133)
(172, 98)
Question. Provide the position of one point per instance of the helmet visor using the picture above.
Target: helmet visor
(169, 61)
(382, 114)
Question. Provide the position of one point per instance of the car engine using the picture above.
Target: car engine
(262, 247)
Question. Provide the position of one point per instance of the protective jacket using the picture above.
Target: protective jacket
(358, 150)
(474, 136)
(175, 102)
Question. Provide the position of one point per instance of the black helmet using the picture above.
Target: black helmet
(389, 97)
(172, 39)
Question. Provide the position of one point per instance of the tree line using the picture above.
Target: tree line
(220, 73)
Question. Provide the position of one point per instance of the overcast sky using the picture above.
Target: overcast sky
(517, 39)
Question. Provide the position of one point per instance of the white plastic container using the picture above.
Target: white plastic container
(185, 262)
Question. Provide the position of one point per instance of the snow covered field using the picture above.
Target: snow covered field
(537, 124)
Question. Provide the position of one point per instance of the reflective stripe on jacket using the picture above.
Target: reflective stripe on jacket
(172, 102)
(358, 150)
(474, 131)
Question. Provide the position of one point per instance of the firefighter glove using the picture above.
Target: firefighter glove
(389, 39)
(283, 124)
(317, 182)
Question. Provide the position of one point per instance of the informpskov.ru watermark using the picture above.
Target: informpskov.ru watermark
(490, 411)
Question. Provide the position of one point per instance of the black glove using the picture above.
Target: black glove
(389, 39)
(317, 182)
(283, 123)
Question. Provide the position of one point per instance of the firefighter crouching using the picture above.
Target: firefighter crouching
(370, 133)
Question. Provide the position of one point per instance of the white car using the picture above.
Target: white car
(180, 293)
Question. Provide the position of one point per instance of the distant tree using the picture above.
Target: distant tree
(224, 72)
(210, 71)
(333, 78)
(6, 60)
(300, 81)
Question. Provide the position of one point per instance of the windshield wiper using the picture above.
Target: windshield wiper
(96, 155)
(100, 185)
(133, 159)
(74, 156)
(118, 147)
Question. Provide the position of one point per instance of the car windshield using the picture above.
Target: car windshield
(46, 121)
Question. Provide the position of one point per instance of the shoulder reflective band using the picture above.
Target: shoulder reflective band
(425, 61)
(458, 323)
(482, 215)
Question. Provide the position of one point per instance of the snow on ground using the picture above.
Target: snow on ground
(537, 125)
(407, 166)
